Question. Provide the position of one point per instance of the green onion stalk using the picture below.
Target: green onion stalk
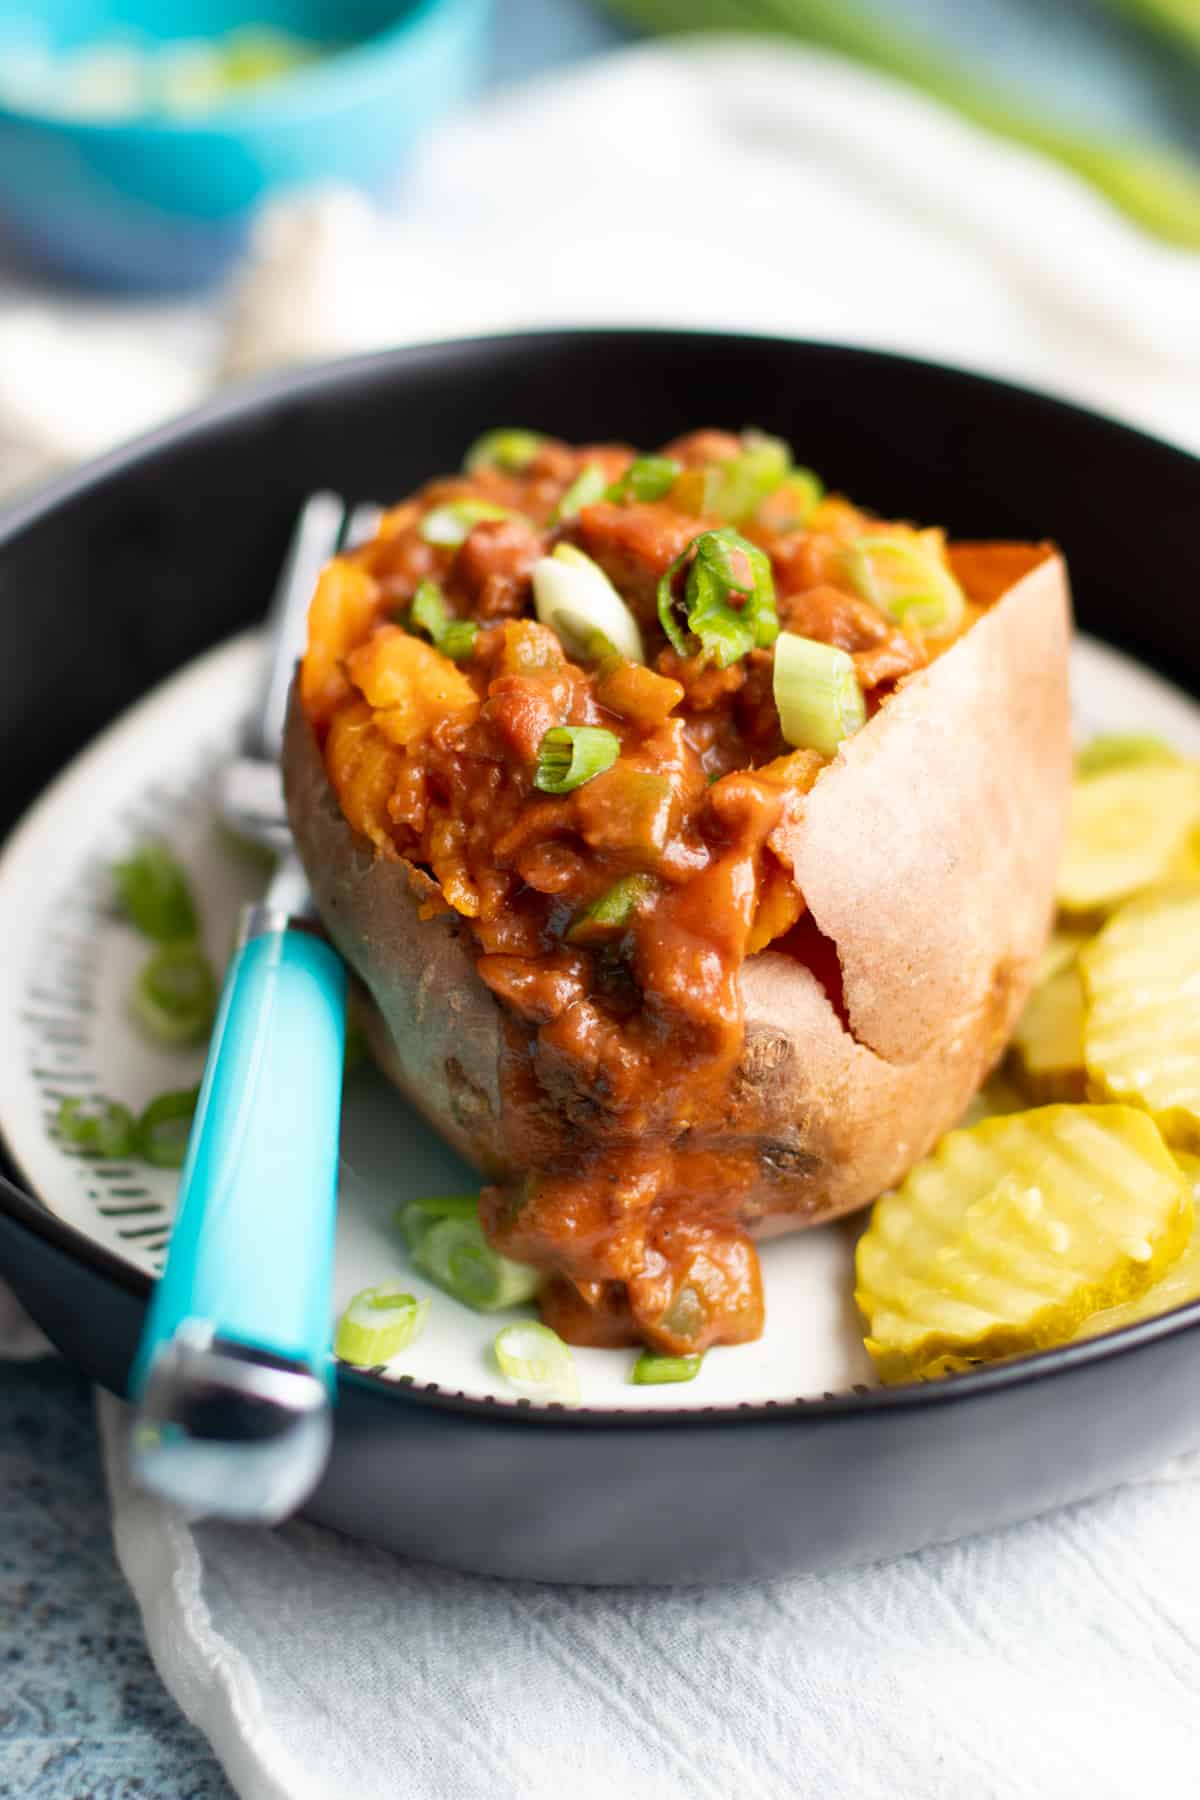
(1158, 189)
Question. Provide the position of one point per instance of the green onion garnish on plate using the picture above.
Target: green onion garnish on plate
(155, 894)
(509, 449)
(906, 581)
(452, 523)
(109, 1130)
(728, 600)
(569, 755)
(651, 1370)
(162, 1130)
(534, 1360)
(446, 1242)
(1121, 750)
(646, 478)
(378, 1323)
(588, 487)
(817, 694)
(175, 997)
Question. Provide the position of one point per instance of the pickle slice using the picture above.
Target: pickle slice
(1011, 1234)
(1180, 1284)
(1127, 830)
(1048, 1041)
(1142, 1035)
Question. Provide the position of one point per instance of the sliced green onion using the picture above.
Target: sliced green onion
(378, 1323)
(654, 1371)
(454, 1253)
(728, 599)
(646, 478)
(588, 487)
(535, 1361)
(612, 912)
(458, 639)
(569, 755)
(416, 1216)
(428, 610)
(575, 598)
(455, 638)
(162, 1130)
(906, 581)
(175, 997)
(110, 1131)
(154, 892)
(508, 448)
(1119, 750)
(817, 694)
(452, 523)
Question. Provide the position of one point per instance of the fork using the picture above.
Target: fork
(233, 1378)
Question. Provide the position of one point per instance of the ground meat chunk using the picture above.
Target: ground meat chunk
(635, 545)
(491, 571)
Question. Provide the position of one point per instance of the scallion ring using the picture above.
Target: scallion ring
(575, 598)
(569, 755)
(534, 1360)
(109, 1131)
(378, 1323)
(817, 694)
(1121, 750)
(453, 522)
(174, 998)
(454, 1253)
(164, 1127)
(509, 448)
(588, 487)
(646, 478)
(416, 1216)
(728, 599)
(907, 580)
(652, 1370)
(154, 892)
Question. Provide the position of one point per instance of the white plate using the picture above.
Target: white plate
(68, 963)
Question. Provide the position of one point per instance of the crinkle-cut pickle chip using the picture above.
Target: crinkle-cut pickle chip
(1011, 1234)
(1180, 1284)
(1048, 1041)
(1128, 829)
(1142, 1031)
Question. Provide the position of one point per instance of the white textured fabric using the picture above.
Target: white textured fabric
(773, 190)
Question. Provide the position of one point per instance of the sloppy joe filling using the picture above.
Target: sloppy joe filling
(615, 875)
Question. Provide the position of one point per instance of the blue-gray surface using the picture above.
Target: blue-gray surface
(82, 1714)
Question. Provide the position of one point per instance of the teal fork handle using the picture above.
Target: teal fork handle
(250, 1259)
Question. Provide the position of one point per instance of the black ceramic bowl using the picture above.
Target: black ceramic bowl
(117, 576)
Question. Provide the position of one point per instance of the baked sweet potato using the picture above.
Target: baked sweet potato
(922, 860)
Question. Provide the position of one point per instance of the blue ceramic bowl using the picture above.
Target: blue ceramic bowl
(160, 203)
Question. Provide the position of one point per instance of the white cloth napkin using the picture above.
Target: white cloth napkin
(766, 189)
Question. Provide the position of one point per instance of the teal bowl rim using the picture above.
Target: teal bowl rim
(362, 68)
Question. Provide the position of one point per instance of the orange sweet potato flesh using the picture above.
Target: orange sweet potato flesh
(926, 852)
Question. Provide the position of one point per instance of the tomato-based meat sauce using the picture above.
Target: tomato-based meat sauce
(586, 690)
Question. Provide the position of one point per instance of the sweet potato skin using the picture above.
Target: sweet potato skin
(927, 852)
